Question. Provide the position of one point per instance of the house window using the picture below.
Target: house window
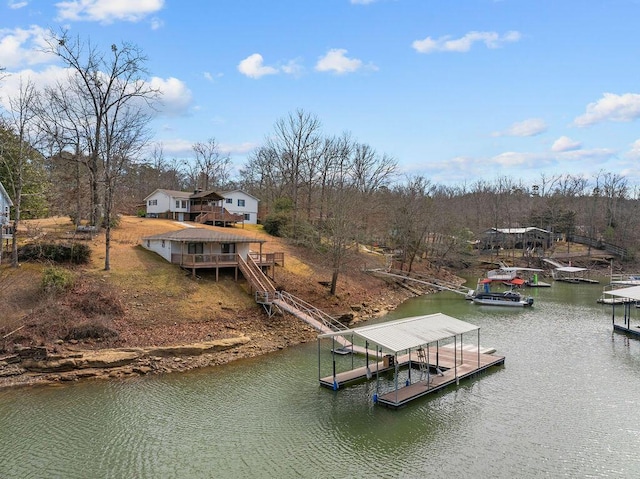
(195, 248)
(184, 204)
(228, 248)
(177, 203)
(240, 202)
(247, 217)
(148, 243)
(163, 243)
(228, 200)
(153, 202)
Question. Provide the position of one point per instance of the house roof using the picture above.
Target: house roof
(203, 235)
(407, 333)
(172, 193)
(211, 195)
(6, 195)
(227, 193)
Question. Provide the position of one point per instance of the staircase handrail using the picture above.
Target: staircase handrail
(301, 305)
(251, 276)
(257, 270)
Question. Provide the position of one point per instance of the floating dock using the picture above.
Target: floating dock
(630, 297)
(427, 351)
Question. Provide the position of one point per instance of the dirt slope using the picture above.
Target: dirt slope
(144, 301)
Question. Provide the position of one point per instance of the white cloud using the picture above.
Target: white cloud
(211, 76)
(510, 159)
(23, 47)
(181, 148)
(337, 62)
(176, 97)
(253, 67)
(564, 143)
(634, 153)
(40, 79)
(611, 107)
(530, 127)
(107, 11)
(292, 67)
(16, 4)
(464, 44)
(156, 23)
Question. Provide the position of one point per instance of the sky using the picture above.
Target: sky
(458, 91)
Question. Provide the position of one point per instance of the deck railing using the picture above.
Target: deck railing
(267, 258)
(213, 214)
(219, 259)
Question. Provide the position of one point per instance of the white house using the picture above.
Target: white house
(168, 204)
(240, 203)
(203, 248)
(5, 205)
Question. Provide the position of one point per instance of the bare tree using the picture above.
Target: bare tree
(295, 145)
(411, 218)
(108, 93)
(212, 165)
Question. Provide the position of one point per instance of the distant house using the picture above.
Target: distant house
(5, 208)
(203, 248)
(241, 203)
(516, 238)
(204, 207)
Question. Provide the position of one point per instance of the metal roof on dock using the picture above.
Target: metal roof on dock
(408, 333)
(630, 293)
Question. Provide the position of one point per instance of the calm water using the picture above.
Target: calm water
(566, 404)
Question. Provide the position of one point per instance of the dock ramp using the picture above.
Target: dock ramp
(433, 282)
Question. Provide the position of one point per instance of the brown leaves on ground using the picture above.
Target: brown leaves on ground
(143, 300)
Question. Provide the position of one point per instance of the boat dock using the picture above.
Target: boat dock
(630, 297)
(437, 381)
(424, 354)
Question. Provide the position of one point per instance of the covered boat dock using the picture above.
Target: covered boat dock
(630, 298)
(408, 358)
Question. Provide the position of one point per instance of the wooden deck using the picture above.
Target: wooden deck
(445, 358)
(224, 260)
(436, 382)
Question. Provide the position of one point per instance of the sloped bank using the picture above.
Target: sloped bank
(37, 365)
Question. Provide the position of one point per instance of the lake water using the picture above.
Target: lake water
(564, 405)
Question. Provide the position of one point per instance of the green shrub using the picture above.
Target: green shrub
(276, 224)
(57, 280)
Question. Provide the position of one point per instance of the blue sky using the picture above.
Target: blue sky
(456, 91)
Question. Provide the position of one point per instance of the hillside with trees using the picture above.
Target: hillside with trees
(81, 150)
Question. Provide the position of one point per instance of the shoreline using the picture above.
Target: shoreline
(69, 363)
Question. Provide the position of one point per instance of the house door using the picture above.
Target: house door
(180, 216)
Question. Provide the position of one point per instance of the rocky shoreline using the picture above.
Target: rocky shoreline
(66, 362)
(36, 365)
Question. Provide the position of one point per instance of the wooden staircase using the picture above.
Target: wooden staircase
(275, 301)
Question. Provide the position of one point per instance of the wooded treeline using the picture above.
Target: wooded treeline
(77, 149)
